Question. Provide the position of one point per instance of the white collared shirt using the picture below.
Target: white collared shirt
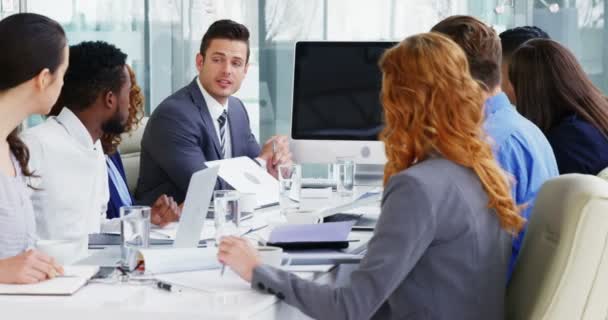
(72, 178)
(216, 109)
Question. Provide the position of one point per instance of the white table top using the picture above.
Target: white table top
(139, 301)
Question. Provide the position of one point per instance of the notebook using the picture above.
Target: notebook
(332, 235)
(75, 278)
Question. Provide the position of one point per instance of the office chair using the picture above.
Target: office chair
(130, 150)
(562, 269)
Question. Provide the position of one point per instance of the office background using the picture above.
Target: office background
(162, 37)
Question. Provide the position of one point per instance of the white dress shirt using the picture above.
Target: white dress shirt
(216, 109)
(72, 180)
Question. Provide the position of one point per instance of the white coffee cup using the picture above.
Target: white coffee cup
(303, 217)
(65, 252)
(248, 202)
(272, 256)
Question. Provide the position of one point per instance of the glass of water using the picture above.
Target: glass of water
(344, 172)
(134, 233)
(227, 213)
(290, 186)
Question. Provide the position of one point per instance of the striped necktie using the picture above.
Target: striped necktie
(222, 122)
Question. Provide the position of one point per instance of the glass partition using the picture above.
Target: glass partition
(162, 37)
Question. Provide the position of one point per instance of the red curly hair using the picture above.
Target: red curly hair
(110, 142)
(432, 105)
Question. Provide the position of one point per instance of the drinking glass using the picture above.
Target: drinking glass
(344, 171)
(227, 213)
(134, 233)
(290, 186)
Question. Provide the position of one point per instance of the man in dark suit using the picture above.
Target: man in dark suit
(203, 121)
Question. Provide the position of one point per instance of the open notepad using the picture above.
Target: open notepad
(75, 277)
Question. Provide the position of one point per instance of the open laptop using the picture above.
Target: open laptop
(192, 218)
(195, 208)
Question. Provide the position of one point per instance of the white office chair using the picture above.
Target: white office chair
(603, 174)
(130, 150)
(562, 271)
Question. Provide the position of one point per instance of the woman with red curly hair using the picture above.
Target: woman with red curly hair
(164, 209)
(442, 243)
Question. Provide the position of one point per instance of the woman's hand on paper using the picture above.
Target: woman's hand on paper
(31, 266)
(239, 255)
(164, 211)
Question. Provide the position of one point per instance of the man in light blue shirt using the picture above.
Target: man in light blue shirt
(520, 147)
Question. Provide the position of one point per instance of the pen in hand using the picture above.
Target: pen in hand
(223, 269)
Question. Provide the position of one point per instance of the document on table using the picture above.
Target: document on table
(165, 260)
(246, 176)
(207, 280)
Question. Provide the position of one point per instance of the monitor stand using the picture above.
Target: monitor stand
(369, 174)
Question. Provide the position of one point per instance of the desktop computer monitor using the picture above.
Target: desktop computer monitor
(336, 108)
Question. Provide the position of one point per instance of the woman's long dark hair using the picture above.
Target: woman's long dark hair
(30, 43)
(550, 84)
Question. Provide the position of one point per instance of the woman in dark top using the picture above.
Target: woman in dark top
(164, 209)
(553, 91)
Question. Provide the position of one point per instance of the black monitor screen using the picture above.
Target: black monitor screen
(336, 94)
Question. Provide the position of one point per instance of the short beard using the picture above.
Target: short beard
(114, 125)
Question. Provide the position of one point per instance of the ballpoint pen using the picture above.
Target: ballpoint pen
(223, 269)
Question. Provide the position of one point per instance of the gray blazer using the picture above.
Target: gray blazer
(438, 252)
(180, 136)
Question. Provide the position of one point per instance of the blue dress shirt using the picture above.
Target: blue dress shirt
(579, 146)
(523, 151)
(117, 182)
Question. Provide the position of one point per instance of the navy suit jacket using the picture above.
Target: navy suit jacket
(115, 202)
(180, 136)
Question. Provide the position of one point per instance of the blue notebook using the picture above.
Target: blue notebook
(333, 235)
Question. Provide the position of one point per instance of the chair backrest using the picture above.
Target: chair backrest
(130, 149)
(603, 174)
(562, 271)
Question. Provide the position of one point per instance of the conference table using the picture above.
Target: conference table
(143, 300)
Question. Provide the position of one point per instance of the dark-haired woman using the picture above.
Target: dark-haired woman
(553, 91)
(33, 61)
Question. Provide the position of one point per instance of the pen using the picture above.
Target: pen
(223, 269)
(172, 288)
